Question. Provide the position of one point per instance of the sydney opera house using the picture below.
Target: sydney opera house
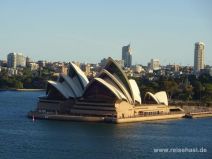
(110, 95)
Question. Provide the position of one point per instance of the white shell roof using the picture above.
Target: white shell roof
(115, 81)
(135, 91)
(162, 97)
(113, 90)
(119, 94)
(151, 95)
(159, 97)
(119, 74)
(83, 79)
(71, 86)
(62, 88)
(74, 85)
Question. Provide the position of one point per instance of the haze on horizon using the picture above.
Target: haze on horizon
(87, 31)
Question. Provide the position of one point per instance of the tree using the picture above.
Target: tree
(197, 89)
(205, 78)
(186, 93)
(18, 84)
(171, 87)
(207, 97)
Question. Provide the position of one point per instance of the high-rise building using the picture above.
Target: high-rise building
(154, 64)
(127, 56)
(16, 60)
(199, 55)
(28, 61)
(11, 60)
(20, 60)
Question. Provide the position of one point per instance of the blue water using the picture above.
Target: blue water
(22, 138)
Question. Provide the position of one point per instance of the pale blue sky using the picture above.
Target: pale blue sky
(89, 30)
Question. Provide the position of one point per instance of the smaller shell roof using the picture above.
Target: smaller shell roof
(72, 85)
(136, 91)
(159, 97)
(162, 97)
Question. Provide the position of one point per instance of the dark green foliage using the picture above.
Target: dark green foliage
(28, 79)
(183, 88)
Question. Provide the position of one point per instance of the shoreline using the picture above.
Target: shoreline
(22, 90)
(78, 118)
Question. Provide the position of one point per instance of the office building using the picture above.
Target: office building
(20, 60)
(154, 64)
(16, 60)
(11, 60)
(127, 56)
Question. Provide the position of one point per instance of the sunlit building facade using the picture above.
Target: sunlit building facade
(16, 60)
(154, 64)
(199, 57)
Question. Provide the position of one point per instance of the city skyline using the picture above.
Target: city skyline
(126, 61)
(70, 30)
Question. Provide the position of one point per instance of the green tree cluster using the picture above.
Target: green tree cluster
(28, 79)
(183, 88)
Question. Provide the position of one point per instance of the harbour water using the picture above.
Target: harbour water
(20, 137)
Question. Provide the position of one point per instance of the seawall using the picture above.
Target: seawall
(37, 115)
(201, 115)
(149, 118)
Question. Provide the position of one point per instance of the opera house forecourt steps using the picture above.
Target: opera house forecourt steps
(108, 97)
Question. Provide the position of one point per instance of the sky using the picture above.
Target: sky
(89, 30)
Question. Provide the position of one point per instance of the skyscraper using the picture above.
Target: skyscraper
(127, 56)
(20, 60)
(16, 59)
(199, 55)
(11, 60)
